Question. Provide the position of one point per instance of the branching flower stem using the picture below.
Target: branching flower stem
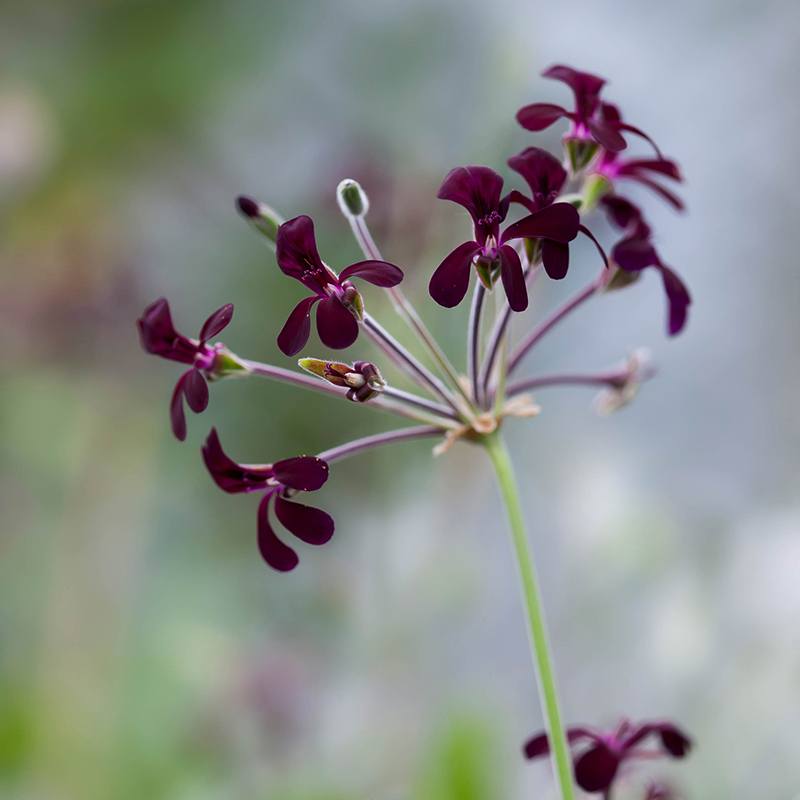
(537, 629)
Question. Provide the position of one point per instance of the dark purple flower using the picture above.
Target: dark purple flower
(159, 337)
(479, 190)
(642, 170)
(277, 481)
(590, 120)
(636, 252)
(598, 755)
(340, 306)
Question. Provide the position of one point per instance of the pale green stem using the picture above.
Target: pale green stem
(537, 629)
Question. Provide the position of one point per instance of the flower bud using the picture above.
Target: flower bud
(363, 380)
(352, 199)
(263, 218)
(620, 278)
(352, 300)
(226, 365)
(594, 187)
(624, 389)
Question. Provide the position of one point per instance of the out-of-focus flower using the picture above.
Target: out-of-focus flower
(159, 337)
(479, 189)
(659, 791)
(598, 755)
(276, 481)
(340, 305)
(623, 389)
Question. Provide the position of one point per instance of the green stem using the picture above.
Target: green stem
(537, 629)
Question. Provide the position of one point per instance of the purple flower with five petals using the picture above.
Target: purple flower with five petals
(159, 337)
(590, 119)
(636, 252)
(479, 190)
(277, 482)
(599, 755)
(340, 306)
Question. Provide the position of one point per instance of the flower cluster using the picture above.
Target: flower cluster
(516, 235)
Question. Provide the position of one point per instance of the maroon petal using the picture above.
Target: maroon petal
(639, 132)
(227, 474)
(538, 116)
(542, 172)
(663, 166)
(555, 259)
(559, 222)
(159, 337)
(476, 188)
(621, 211)
(539, 745)
(216, 322)
(678, 299)
(296, 247)
(378, 273)
(450, 282)
(660, 190)
(675, 741)
(596, 769)
(176, 414)
(297, 327)
(634, 253)
(195, 389)
(513, 278)
(607, 135)
(579, 82)
(307, 523)
(517, 197)
(306, 473)
(277, 554)
(336, 325)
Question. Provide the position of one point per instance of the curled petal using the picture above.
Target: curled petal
(195, 389)
(378, 273)
(639, 132)
(596, 769)
(305, 473)
(307, 523)
(621, 211)
(336, 325)
(541, 171)
(634, 253)
(663, 166)
(675, 741)
(297, 327)
(678, 299)
(559, 222)
(227, 474)
(476, 188)
(216, 322)
(538, 116)
(177, 416)
(579, 82)
(277, 554)
(513, 278)
(586, 232)
(660, 190)
(450, 282)
(607, 135)
(159, 337)
(296, 247)
(555, 259)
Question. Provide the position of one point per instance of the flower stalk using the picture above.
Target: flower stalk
(532, 601)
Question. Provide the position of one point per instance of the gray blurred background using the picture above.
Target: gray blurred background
(145, 651)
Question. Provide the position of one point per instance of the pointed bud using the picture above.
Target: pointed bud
(594, 187)
(623, 390)
(352, 300)
(263, 218)
(226, 365)
(352, 199)
(362, 379)
(620, 278)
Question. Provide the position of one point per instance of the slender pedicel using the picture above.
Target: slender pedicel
(474, 341)
(411, 365)
(609, 378)
(395, 406)
(377, 440)
(550, 322)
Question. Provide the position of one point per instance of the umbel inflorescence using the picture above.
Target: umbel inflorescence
(517, 237)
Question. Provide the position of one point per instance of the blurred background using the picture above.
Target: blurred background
(145, 651)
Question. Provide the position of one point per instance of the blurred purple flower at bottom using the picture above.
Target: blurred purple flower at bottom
(276, 481)
(159, 337)
(598, 755)
(340, 306)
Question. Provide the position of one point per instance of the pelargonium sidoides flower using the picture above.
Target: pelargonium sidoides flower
(340, 306)
(159, 337)
(276, 481)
